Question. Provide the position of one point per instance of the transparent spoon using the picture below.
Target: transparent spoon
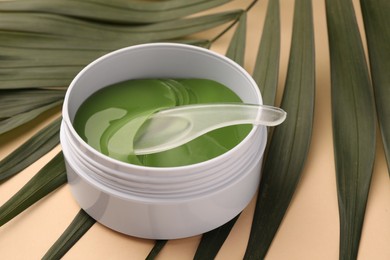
(173, 127)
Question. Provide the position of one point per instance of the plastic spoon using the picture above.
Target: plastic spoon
(173, 127)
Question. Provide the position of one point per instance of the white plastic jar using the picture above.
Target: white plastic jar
(154, 202)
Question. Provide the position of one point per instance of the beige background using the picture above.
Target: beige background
(310, 228)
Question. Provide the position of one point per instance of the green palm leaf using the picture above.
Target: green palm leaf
(353, 116)
(13, 102)
(162, 6)
(30, 151)
(49, 178)
(126, 12)
(62, 26)
(377, 25)
(236, 49)
(77, 228)
(213, 240)
(17, 58)
(289, 146)
(158, 246)
(266, 69)
(22, 118)
(45, 68)
(28, 40)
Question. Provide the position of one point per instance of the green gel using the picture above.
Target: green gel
(109, 119)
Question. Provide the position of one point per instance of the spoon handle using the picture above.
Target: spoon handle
(225, 114)
(173, 127)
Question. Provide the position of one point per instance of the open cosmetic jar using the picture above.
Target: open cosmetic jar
(161, 202)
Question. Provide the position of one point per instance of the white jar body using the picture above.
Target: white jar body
(161, 218)
(152, 202)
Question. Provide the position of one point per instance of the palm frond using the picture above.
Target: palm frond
(121, 12)
(158, 246)
(30, 151)
(24, 117)
(62, 26)
(49, 178)
(77, 228)
(13, 102)
(353, 117)
(34, 68)
(266, 71)
(236, 48)
(290, 142)
(377, 25)
(213, 240)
